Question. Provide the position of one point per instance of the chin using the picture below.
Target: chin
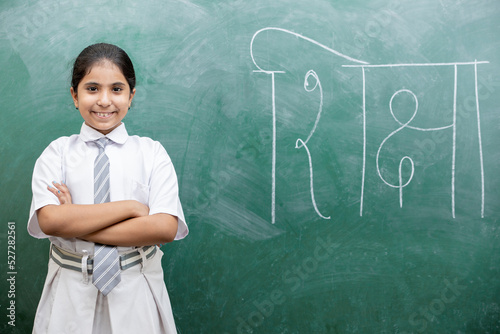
(104, 129)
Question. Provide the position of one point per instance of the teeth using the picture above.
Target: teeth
(102, 114)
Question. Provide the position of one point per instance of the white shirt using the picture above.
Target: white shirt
(140, 169)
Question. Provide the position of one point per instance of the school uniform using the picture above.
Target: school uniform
(140, 169)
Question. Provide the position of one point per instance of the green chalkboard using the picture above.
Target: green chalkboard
(337, 159)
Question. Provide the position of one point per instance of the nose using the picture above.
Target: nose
(104, 100)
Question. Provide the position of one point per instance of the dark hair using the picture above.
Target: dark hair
(96, 53)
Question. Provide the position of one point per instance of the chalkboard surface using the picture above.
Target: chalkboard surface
(337, 160)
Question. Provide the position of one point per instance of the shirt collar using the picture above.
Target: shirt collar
(118, 135)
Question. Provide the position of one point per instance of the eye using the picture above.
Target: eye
(117, 89)
(92, 89)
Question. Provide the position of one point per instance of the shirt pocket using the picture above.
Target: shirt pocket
(138, 191)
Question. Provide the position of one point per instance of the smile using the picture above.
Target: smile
(103, 115)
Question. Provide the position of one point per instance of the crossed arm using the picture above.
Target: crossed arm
(121, 223)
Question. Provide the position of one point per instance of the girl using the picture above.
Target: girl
(116, 196)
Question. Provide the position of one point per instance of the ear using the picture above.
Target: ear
(132, 94)
(74, 95)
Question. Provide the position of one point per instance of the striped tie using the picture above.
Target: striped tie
(106, 273)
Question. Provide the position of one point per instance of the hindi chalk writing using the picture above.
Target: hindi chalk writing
(403, 180)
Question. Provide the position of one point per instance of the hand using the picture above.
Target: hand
(61, 191)
(141, 210)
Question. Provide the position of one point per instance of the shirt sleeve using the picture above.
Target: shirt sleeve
(47, 169)
(164, 190)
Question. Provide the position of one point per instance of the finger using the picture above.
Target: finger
(58, 190)
(60, 186)
(62, 193)
(53, 190)
(60, 196)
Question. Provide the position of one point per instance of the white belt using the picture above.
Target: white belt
(69, 260)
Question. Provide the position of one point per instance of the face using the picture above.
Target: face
(103, 97)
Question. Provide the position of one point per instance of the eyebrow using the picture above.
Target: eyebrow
(92, 83)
